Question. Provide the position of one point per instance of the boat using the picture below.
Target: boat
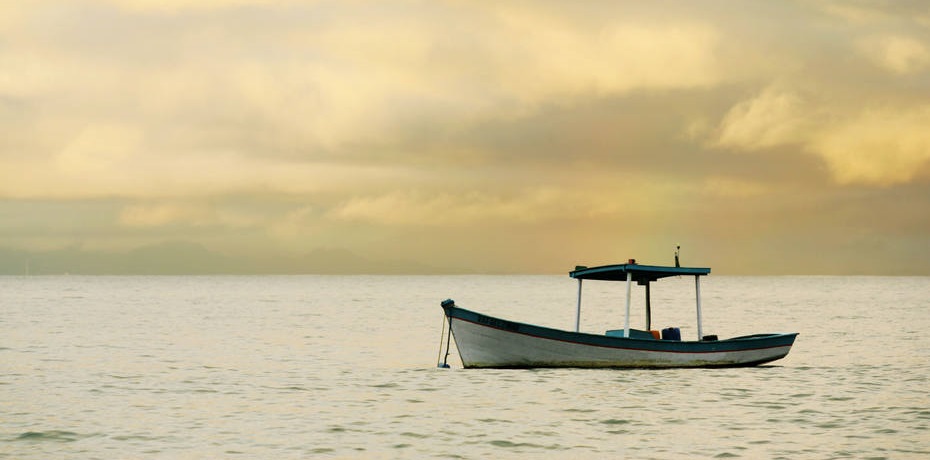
(488, 342)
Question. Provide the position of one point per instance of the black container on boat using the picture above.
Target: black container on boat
(671, 333)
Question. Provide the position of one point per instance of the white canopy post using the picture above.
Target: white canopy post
(697, 288)
(578, 311)
(629, 282)
(648, 308)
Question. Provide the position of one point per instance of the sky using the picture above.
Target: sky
(786, 137)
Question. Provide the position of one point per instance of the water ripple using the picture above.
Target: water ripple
(303, 367)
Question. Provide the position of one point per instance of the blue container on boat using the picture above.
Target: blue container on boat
(671, 333)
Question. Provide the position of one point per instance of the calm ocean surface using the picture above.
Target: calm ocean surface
(283, 367)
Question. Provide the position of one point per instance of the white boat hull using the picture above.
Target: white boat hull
(490, 342)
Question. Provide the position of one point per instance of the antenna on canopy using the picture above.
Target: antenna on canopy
(677, 248)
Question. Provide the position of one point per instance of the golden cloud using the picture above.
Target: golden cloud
(85, 170)
(442, 209)
(158, 215)
(174, 6)
(897, 54)
(194, 214)
(545, 54)
(733, 187)
(873, 147)
(773, 117)
(878, 147)
(605, 196)
(99, 149)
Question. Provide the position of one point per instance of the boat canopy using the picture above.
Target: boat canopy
(642, 274)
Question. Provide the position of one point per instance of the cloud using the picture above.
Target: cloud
(104, 172)
(871, 13)
(773, 117)
(445, 208)
(557, 56)
(878, 147)
(605, 195)
(98, 148)
(295, 224)
(733, 187)
(169, 96)
(898, 54)
(292, 124)
(176, 6)
(159, 215)
(858, 145)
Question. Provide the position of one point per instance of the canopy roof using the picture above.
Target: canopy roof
(640, 273)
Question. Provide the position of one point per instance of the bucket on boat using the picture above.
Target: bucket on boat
(671, 333)
(655, 334)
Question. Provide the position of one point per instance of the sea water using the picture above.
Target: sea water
(346, 367)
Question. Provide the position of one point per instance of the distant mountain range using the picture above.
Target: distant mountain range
(185, 258)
